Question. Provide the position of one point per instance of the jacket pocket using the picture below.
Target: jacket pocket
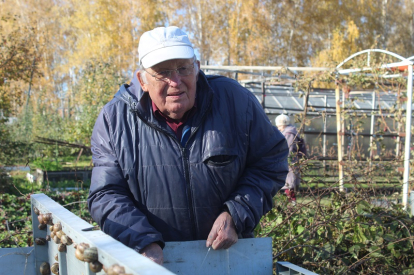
(221, 160)
(223, 171)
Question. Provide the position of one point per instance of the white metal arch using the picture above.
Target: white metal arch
(368, 52)
(408, 63)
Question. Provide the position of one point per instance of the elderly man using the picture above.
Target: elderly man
(182, 156)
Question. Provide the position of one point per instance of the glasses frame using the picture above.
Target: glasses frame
(170, 72)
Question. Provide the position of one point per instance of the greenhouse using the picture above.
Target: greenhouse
(365, 104)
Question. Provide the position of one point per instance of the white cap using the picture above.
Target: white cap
(282, 120)
(162, 44)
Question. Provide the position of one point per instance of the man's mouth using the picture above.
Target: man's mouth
(176, 94)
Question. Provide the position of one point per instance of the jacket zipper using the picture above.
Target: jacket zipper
(189, 193)
(186, 168)
(186, 174)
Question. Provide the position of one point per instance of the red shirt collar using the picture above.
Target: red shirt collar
(176, 126)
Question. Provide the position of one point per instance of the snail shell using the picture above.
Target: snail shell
(47, 218)
(56, 240)
(62, 247)
(51, 228)
(57, 257)
(57, 227)
(40, 219)
(44, 268)
(95, 266)
(48, 238)
(52, 234)
(59, 234)
(90, 254)
(82, 246)
(79, 255)
(41, 226)
(55, 268)
(66, 240)
(115, 270)
(40, 241)
(36, 211)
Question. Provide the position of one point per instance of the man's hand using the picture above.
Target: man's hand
(223, 233)
(154, 252)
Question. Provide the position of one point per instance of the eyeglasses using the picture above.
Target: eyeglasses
(166, 75)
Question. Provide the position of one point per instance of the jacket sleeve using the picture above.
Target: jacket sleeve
(264, 174)
(110, 201)
(291, 141)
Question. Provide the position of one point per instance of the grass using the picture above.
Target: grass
(62, 163)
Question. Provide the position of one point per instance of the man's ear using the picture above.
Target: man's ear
(144, 86)
(198, 69)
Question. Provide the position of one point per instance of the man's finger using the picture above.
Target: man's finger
(211, 237)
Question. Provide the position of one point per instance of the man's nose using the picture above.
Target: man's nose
(174, 79)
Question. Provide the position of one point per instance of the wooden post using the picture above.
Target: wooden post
(325, 117)
(371, 139)
(339, 138)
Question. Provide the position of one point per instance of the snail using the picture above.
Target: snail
(40, 241)
(35, 210)
(95, 266)
(56, 239)
(80, 248)
(40, 218)
(115, 269)
(52, 235)
(59, 233)
(57, 257)
(57, 227)
(66, 240)
(51, 228)
(55, 268)
(47, 218)
(41, 226)
(44, 268)
(48, 238)
(62, 247)
(90, 254)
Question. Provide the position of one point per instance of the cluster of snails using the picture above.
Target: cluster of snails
(44, 219)
(88, 254)
(83, 251)
(56, 234)
(45, 268)
(59, 237)
(115, 269)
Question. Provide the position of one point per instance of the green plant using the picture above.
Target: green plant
(47, 165)
(15, 214)
(350, 235)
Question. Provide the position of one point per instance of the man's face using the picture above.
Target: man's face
(175, 95)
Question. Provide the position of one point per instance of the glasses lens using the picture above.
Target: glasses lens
(163, 74)
(185, 70)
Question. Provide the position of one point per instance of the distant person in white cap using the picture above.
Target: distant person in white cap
(297, 150)
(181, 156)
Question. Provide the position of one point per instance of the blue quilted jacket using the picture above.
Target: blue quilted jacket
(147, 186)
